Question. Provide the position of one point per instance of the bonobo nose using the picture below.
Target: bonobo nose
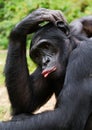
(45, 61)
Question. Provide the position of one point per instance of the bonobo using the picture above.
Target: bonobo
(82, 26)
(64, 67)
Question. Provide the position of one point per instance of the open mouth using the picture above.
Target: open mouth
(46, 72)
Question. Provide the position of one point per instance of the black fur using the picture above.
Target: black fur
(71, 82)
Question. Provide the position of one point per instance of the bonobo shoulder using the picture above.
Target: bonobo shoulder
(80, 60)
(84, 49)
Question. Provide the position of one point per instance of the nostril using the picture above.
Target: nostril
(45, 64)
(48, 60)
(45, 61)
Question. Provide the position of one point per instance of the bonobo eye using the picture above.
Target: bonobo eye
(36, 56)
(63, 27)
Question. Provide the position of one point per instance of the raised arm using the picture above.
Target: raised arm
(26, 93)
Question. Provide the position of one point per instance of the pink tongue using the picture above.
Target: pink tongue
(45, 73)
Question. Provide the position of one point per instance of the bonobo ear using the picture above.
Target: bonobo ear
(63, 27)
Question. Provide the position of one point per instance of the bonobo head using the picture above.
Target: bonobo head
(50, 49)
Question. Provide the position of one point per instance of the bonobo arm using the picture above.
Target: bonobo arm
(32, 21)
(82, 26)
(26, 93)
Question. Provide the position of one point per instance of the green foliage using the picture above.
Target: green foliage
(2, 63)
(12, 11)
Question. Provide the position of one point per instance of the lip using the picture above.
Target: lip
(46, 72)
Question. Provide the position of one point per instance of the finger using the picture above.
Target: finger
(59, 16)
(49, 18)
(62, 16)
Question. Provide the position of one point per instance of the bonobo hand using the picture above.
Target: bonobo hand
(31, 23)
(43, 14)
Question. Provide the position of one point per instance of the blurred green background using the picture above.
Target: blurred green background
(12, 11)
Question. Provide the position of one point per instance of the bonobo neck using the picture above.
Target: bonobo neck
(75, 41)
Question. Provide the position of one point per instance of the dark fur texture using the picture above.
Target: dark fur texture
(71, 82)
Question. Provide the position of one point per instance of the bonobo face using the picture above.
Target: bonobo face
(49, 51)
(45, 54)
